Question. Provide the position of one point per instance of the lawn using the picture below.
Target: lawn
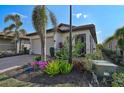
(11, 82)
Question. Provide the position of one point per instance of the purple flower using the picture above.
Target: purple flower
(42, 64)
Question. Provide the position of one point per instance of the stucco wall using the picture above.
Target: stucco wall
(88, 34)
(5, 44)
(113, 46)
(62, 37)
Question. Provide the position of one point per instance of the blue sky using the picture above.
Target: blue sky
(106, 18)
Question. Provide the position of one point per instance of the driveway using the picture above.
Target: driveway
(9, 62)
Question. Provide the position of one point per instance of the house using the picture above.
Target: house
(7, 43)
(113, 45)
(86, 33)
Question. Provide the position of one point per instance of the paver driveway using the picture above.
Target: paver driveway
(15, 61)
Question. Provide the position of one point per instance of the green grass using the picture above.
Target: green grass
(11, 82)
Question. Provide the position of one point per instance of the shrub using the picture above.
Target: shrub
(65, 67)
(118, 79)
(97, 55)
(37, 58)
(58, 66)
(82, 64)
(62, 53)
(77, 49)
(52, 68)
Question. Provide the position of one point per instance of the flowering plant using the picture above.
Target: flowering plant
(39, 64)
(42, 64)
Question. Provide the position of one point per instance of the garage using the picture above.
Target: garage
(36, 46)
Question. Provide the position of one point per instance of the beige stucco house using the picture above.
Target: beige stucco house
(7, 44)
(86, 33)
(113, 45)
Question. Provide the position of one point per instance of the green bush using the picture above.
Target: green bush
(37, 58)
(58, 66)
(118, 79)
(52, 68)
(62, 53)
(96, 55)
(77, 49)
(65, 67)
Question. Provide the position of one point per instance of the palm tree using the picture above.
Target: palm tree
(119, 36)
(15, 26)
(40, 20)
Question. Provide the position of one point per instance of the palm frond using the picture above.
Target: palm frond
(8, 29)
(39, 19)
(119, 32)
(5, 29)
(108, 40)
(121, 44)
(53, 20)
(9, 17)
(22, 31)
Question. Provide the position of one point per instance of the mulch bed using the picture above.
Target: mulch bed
(75, 78)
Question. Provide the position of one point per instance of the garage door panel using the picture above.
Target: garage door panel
(36, 46)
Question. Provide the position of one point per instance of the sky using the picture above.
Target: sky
(106, 18)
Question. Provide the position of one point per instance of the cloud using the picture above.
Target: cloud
(85, 16)
(78, 15)
(98, 32)
(23, 16)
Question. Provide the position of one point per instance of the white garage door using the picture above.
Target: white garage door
(36, 46)
(49, 43)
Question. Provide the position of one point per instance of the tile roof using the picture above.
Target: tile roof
(90, 27)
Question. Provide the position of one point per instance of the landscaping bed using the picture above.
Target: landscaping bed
(73, 79)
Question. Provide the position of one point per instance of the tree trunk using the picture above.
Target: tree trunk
(19, 45)
(16, 46)
(42, 45)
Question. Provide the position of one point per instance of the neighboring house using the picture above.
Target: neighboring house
(7, 43)
(86, 33)
(113, 46)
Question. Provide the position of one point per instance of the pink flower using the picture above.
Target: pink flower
(33, 63)
(42, 64)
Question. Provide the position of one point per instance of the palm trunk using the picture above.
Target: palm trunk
(16, 46)
(42, 46)
(19, 45)
(45, 46)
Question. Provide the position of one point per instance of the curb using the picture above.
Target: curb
(4, 70)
